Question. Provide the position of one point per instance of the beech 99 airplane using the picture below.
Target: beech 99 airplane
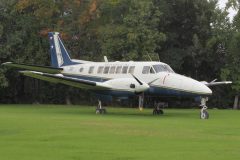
(117, 79)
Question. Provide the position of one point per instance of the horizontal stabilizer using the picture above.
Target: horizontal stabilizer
(213, 83)
(37, 68)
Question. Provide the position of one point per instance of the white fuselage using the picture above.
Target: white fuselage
(163, 81)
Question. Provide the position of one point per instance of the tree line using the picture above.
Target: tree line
(196, 38)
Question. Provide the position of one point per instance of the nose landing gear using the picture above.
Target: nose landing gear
(204, 113)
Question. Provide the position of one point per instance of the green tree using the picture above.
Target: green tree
(133, 35)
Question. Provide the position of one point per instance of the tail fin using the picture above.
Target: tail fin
(59, 54)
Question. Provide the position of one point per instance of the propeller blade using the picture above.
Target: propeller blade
(213, 80)
(149, 83)
(137, 79)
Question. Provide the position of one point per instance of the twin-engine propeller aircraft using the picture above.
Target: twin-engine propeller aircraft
(119, 79)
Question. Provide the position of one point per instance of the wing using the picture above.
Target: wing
(59, 78)
(45, 69)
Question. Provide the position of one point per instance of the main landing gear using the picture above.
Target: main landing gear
(99, 109)
(141, 101)
(158, 109)
(204, 113)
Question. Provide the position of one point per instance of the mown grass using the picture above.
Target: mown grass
(42, 132)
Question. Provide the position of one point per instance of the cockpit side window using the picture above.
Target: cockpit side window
(169, 68)
(162, 68)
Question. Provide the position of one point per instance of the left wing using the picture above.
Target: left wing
(59, 78)
(133, 85)
(37, 68)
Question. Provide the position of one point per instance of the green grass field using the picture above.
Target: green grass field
(48, 132)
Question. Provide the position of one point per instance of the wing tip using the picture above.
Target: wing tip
(6, 63)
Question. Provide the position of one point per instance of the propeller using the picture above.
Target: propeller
(144, 86)
(149, 83)
(137, 79)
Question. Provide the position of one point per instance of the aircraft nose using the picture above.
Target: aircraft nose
(202, 88)
(195, 86)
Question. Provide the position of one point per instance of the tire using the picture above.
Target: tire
(98, 111)
(154, 112)
(104, 111)
(101, 111)
(204, 115)
(160, 111)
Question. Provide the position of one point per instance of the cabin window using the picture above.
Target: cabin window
(81, 69)
(124, 69)
(146, 69)
(90, 71)
(106, 69)
(118, 70)
(100, 70)
(112, 70)
(131, 69)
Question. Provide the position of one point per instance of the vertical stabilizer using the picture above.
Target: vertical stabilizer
(59, 54)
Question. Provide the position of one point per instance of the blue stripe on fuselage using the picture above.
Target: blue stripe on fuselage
(160, 91)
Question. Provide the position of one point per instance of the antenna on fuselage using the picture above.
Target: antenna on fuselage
(105, 58)
(159, 58)
(149, 57)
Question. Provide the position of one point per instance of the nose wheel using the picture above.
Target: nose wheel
(204, 113)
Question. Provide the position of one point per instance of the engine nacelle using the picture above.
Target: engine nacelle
(127, 84)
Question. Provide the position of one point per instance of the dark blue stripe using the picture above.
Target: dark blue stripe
(157, 91)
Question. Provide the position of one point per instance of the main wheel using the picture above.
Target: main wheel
(98, 111)
(155, 112)
(204, 115)
(103, 111)
(161, 111)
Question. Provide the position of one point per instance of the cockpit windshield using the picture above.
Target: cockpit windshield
(162, 68)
